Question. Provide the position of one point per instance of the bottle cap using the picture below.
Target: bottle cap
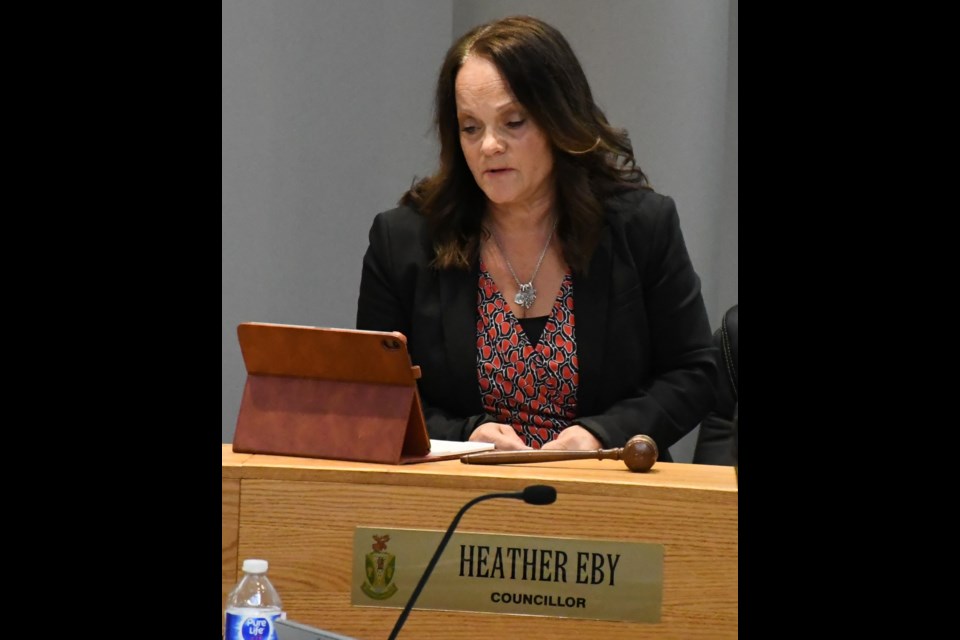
(251, 565)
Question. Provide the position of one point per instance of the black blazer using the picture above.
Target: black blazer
(717, 440)
(643, 337)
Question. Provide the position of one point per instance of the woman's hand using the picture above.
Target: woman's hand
(503, 436)
(574, 438)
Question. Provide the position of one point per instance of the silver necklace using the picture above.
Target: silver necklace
(527, 294)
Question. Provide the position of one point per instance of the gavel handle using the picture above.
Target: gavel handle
(519, 457)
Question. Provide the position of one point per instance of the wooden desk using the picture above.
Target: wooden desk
(300, 514)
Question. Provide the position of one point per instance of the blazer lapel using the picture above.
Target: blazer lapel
(591, 300)
(458, 301)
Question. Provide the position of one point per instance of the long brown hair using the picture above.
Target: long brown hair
(592, 160)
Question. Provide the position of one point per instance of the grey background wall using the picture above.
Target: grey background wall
(326, 119)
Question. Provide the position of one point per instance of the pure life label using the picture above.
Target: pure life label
(251, 624)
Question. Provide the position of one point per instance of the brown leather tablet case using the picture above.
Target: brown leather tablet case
(342, 394)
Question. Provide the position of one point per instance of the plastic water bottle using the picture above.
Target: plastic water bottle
(253, 605)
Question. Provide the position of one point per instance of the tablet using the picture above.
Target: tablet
(321, 392)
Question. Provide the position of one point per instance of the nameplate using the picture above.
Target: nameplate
(509, 574)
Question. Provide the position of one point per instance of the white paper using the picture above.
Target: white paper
(443, 447)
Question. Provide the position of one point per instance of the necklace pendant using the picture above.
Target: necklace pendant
(526, 296)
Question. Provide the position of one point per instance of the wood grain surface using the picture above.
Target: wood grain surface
(300, 514)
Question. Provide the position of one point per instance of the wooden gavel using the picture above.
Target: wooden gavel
(639, 454)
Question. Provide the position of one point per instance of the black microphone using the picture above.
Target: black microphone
(534, 494)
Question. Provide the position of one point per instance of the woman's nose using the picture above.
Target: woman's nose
(491, 143)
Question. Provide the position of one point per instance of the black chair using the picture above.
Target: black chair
(715, 442)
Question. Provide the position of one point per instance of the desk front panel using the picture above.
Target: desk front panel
(301, 514)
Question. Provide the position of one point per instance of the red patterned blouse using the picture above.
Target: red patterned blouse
(534, 388)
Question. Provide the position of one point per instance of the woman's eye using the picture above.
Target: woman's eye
(469, 129)
(514, 124)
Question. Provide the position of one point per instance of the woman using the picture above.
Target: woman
(544, 288)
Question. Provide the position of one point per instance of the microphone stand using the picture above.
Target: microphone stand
(534, 497)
